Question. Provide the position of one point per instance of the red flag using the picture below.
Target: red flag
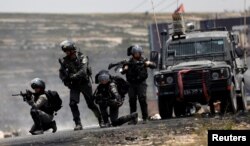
(180, 9)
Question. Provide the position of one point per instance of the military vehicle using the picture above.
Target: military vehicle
(201, 66)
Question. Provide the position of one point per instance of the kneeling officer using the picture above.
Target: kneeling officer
(41, 113)
(107, 96)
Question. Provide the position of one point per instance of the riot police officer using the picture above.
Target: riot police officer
(40, 111)
(75, 74)
(108, 98)
(136, 75)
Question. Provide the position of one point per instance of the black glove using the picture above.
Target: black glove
(115, 103)
(28, 95)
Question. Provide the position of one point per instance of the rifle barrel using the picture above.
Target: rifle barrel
(16, 94)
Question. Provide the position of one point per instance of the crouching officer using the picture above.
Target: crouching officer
(75, 74)
(136, 75)
(107, 96)
(41, 113)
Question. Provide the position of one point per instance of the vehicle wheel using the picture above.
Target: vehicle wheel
(165, 105)
(242, 99)
(179, 109)
(229, 103)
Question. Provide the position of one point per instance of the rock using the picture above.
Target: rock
(155, 117)
(1, 134)
(8, 134)
(130, 138)
(204, 109)
(217, 106)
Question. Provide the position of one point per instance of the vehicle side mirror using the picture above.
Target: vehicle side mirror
(239, 52)
(154, 57)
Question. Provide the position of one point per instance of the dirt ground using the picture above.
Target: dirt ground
(188, 131)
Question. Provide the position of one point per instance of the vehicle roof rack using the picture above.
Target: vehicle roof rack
(212, 29)
(178, 27)
(178, 36)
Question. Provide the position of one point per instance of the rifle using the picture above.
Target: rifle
(66, 77)
(106, 101)
(124, 62)
(66, 71)
(24, 95)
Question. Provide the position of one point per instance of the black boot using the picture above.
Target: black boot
(50, 125)
(33, 128)
(133, 119)
(53, 126)
(102, 124)
(144, 121)
(78, 125)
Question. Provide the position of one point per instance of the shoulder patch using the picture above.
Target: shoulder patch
(84, 59)
(112, 84)
(43, 96)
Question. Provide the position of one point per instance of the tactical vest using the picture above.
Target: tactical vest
(75, 65)
(136, 73)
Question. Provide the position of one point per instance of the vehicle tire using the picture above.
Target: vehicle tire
(242, 99)
(229, 103)
(165, 105)
(179, 109)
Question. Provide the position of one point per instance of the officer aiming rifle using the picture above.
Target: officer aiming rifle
(123, 63)
(26, 96)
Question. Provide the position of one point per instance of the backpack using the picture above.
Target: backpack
(54, 100)
(122, 85)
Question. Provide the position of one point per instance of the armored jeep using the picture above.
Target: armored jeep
(200, 67)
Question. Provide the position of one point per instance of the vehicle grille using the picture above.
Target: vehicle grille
(195, 79)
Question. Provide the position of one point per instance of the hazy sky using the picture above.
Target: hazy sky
(110, 6)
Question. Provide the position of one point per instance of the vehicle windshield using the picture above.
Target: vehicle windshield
(199, 48)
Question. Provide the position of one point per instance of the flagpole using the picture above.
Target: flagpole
(245, 14)
(177, 4)
(245, 31)
(156, 24)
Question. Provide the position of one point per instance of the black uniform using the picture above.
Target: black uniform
(74, 74)
(136, 76)
(107, 96)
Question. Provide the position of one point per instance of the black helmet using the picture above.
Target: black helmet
(37, 83)
(136, 49)
(103, 75)
(68, 45)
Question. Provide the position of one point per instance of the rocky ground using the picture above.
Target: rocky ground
(188, 131)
